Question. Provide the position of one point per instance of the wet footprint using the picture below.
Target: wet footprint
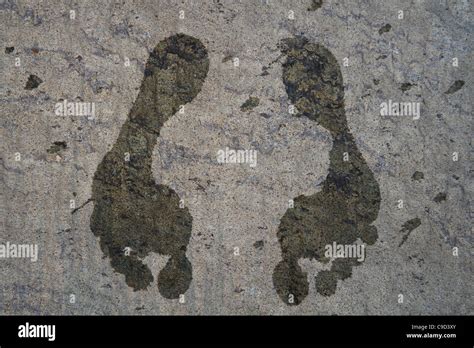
(349, 200)
(133, 216)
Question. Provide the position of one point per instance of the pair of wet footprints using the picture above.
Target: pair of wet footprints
(134, 216)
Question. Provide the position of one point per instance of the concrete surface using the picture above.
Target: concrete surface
(236, 205)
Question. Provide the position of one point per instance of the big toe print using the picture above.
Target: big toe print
(349, 200)
(133, 216)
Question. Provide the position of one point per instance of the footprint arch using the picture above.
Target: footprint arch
(349, 200)
(133, 216)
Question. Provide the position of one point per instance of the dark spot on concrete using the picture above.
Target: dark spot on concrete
(57, 147)
(376, 82)
(385, 29)
(315, 4)
(406, 86)
(35, 50)
(349, 200)
(130, 209)
(408, 227)
(417, 176)
(98, 86)
(440, 197)
(9, 50)
(226, 58)
(258, 244)
(265, 115)
(33, 82)
(456, 86)
(81, 206)
(249, 104)
(382, 56)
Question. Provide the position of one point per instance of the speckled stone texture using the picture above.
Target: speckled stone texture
(99, 57)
